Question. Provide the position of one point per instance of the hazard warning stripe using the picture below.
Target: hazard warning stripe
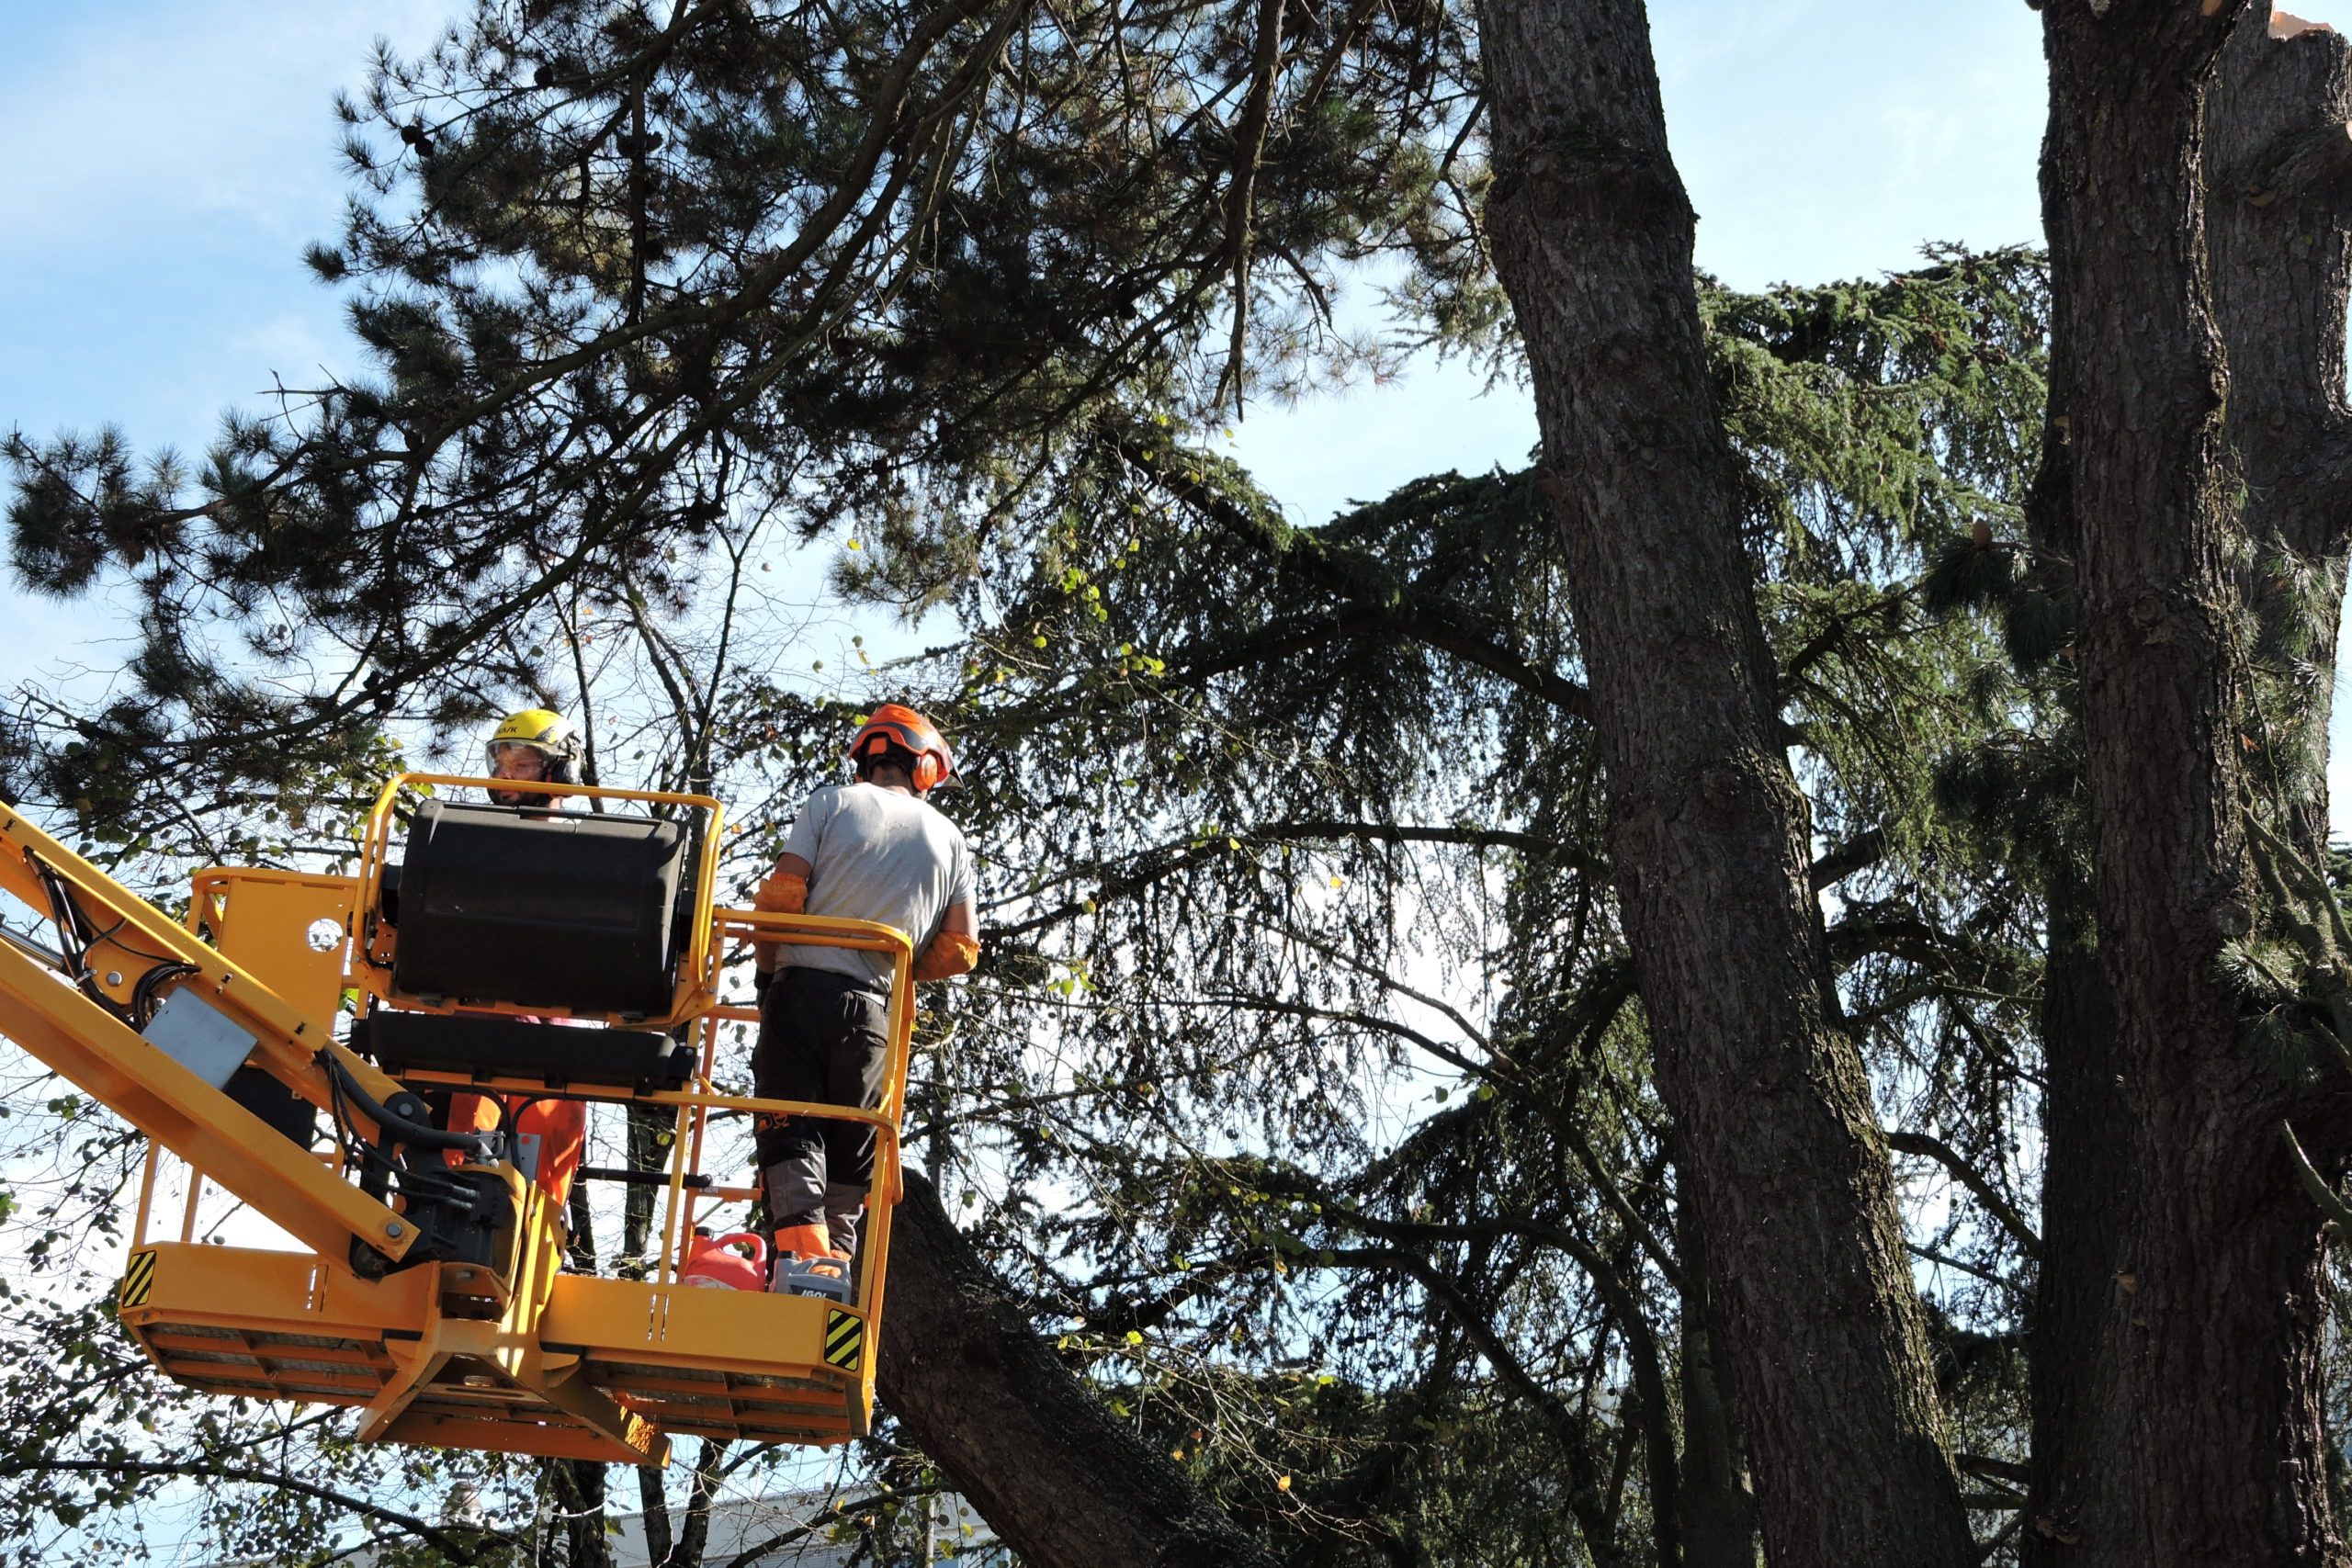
(844, 1338)
(137, 1280)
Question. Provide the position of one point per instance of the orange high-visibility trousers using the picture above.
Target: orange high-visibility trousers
(561, 1125)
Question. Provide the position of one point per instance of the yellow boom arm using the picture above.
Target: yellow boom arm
(60, 1022)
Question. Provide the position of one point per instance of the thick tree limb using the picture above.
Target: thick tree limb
(1057, 1476)
(1859, 853)
(1992, 1469)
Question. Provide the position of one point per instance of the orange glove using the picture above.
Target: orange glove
(950, 954)
(782, 894)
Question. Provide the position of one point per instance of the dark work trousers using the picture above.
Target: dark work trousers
(824, 1039)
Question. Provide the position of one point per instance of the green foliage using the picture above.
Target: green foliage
(1302, 959)
(626, 276)
(1305, 1087)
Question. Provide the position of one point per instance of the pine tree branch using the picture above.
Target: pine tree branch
(1949, 1261)
(1967, 1175)
(2330, 1203)
(1358, 585)
(1328, 68)
(440, 1540)
(394, 667)
(1859, 853)
(1484, 1072)
(842, 1513)
(1278, 640)
(1241, 200)
(1625, 1303)
(1827, 640)
(1399, 833)
(883, 114)
(1584, 1497)
(1990, 1469)
(1544, 1231)
(1118, 1316)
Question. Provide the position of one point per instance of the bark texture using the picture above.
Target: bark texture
(2279, 184)
(2278, 177)
(1718, 1509)
(1591, 234)
(2178, 1393)
(2083, 1169)
(1060, 1480)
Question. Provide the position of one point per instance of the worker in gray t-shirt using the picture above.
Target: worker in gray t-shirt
(870, 851)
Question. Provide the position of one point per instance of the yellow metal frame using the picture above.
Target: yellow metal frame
(263, 917)
(535, 1360)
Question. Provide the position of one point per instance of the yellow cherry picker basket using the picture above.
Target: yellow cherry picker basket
(534, 951)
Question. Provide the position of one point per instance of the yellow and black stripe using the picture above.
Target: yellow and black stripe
(844, 1338)
(137, 1280)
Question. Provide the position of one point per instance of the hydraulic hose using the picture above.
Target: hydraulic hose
(417, 1134)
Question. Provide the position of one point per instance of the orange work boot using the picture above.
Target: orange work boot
(805, 1264)
(804, 1241)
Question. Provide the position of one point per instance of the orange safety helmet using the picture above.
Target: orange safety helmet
(893, 724)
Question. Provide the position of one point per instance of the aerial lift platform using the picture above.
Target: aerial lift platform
(431, 1291)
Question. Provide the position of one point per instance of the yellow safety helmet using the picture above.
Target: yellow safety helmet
(545, 731)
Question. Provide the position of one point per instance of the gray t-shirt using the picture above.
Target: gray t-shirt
(878, 855)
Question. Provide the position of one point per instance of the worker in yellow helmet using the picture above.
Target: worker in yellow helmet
(873, 849)
(536, 745)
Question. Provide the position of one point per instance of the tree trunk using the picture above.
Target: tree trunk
(1591, 234)
(2083, 1169)
(2195, 1388)
(1718, 1510)
(579, 1488)
(1057, 1476)
(2279, 181)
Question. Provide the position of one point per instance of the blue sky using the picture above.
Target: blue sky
(169, 160)
(1814, 146)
